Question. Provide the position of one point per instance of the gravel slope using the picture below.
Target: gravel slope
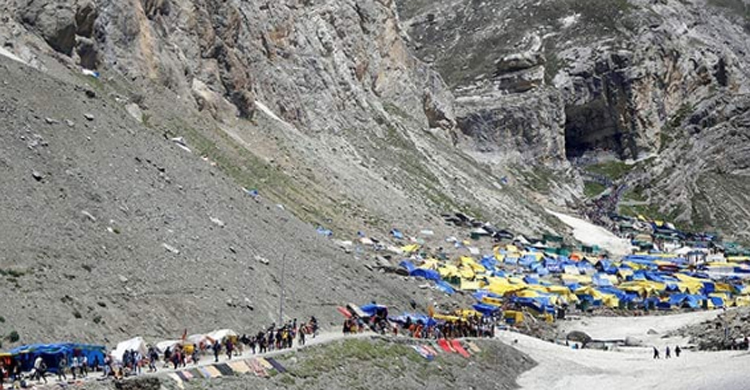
(110, 230)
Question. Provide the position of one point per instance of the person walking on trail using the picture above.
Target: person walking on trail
(84, 366)
(677, 351)
(230, 348)
(196, 357)
(62, 365)
(153, 357)
(656, 353)
(167, 356)
(217, 349)
(667, 353)
(74, 363)
(301, 338)
(40, 369)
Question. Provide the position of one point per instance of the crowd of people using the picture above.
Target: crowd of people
(473, 326)
(133, 362)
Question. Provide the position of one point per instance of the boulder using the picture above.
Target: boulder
(151, 383)
(87, 53)
(579, 336)
(86, 13)
(54, 20)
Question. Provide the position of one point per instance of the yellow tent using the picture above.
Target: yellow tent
(466, 313)
(448, 270)
(516, 316)
(641, 286)
(444, 317)
(430, 264)
(742, 301)
(467, 285)
(466, 272)
(581, 279)
(738, 259)
(410, 248)
(624, 272)
(504, 289)
(469, 262)
(492, 301)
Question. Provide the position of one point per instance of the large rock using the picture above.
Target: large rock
(514, 128)
(86, 13)
(55, 20)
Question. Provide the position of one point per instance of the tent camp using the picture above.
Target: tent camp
(134, 344)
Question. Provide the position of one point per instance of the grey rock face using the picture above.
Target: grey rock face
(55, 20)
(514, 127)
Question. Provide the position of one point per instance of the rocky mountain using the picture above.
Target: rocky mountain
(589, 81)
(132, 133)
(349, 115)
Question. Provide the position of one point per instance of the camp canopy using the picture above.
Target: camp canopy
(171, 344)
(52, 353)
(134, 344)
(221, 334)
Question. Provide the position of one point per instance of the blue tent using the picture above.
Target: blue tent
(600, 280)
(489, 262)
(53, 353)
(445, 287)
(408, 265)
(371, 309)
(414, 317)
(397, 234)
(486, 309)
(529, 279)
(425, 273)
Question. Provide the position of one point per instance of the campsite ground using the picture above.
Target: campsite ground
(561, 367)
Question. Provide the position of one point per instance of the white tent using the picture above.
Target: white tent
(198, 339)
(135, 344)
(163, 345)
(221, 334)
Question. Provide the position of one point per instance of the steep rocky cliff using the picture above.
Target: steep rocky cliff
(585, 80)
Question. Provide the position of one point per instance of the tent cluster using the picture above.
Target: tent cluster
(544, 280)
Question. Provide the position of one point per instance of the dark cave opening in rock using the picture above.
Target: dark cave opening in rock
(596, 128)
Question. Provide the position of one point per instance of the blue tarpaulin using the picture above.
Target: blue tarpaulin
(407, 265)
(425, 273)
(445, 287)
(371, 309)
(486, 309)
(397, 234)
(52, 353)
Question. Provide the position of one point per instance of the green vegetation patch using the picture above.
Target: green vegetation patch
(592, 189)
(614, 170)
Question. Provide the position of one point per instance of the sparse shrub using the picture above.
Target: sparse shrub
(13, 337)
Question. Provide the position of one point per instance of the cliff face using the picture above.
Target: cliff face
(318, 105)
(593, 80)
